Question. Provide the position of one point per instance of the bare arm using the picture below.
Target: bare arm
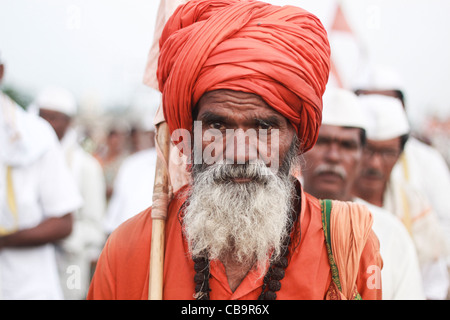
(50, 230)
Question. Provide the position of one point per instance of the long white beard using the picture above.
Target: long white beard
(247, 220)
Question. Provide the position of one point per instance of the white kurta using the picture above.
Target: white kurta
(414, 210)
(133, 188)
(400, 276)
(43, 188)
(76, 252)
(426, 170)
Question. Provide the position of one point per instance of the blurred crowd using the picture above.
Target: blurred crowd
(66, 183)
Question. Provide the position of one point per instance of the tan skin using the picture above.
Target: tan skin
(48, 231)
(378, 161)
(227, 109)
(58, 120)
(336, 146)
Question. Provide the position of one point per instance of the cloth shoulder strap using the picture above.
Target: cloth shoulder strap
(346, 227)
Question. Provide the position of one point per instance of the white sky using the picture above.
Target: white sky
(98, 48)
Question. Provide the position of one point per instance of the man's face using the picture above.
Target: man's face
(241, 208)
(59, 121)
(332, 164)
(379, 159)
(235, 114)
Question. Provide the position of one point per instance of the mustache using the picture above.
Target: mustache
(372, 173)
(329, 168)
(257, 172)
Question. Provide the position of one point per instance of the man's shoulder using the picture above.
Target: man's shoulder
(133, 231)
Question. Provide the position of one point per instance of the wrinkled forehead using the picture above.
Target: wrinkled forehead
(232, 104)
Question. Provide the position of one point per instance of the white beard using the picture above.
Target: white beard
(248, 220)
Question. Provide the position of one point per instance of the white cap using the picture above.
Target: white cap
(341, 108)
(386, 117)
(57, 99)
(380, 77)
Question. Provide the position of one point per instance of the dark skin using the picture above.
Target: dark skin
(48, 231)
(227, 109)
(338, 146)
(379, 158)
(58, 120)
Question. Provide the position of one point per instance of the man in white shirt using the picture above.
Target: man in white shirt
(421, 166)
(77, 252)
(37, 198)
(328, 173)
(386, 137)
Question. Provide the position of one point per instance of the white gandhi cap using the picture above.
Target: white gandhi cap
(57, 99)
(341, 108)
(386, 117)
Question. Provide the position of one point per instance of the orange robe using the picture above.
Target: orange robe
(123, 267)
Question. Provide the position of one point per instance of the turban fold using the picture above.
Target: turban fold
(279, 53)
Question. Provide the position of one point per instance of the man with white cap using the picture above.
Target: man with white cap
(58, 106)
(420, 164)
(37, 198)
(387, 134)
(329, 171)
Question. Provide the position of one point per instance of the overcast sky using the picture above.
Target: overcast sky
(98, 48)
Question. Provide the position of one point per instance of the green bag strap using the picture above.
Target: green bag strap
(326, 206)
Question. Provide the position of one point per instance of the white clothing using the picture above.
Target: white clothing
(425, 169)
(76, 252)
(133, 188)
(413, 209)
(43, 188)
(400, 276)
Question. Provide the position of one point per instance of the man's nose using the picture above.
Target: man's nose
(241, 146)
(333, 154)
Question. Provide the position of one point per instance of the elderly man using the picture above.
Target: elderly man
(329, 171)
(244, 228)
(76, 253)
(387, 134)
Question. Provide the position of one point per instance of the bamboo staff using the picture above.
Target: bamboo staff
(160, 203)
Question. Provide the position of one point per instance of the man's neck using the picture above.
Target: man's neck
(373, 197)
(235, 271)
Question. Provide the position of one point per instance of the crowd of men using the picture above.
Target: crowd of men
(243, 230)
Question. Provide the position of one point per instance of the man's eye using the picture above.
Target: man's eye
(216, 125)
(349, 145)
(265, 127)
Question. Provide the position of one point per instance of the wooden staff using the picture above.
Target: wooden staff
(160, 204)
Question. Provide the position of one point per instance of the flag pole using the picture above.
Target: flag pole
(160, 202)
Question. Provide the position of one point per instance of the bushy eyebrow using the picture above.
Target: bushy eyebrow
(210, 117)
(271, 121)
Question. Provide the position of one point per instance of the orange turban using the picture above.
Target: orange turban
(279, 53)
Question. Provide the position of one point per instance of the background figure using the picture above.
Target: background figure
(133, 186)
(82, 247)
(329, 171)
(420, 165)
(37, 196)
(112, 153)
(387, 134)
